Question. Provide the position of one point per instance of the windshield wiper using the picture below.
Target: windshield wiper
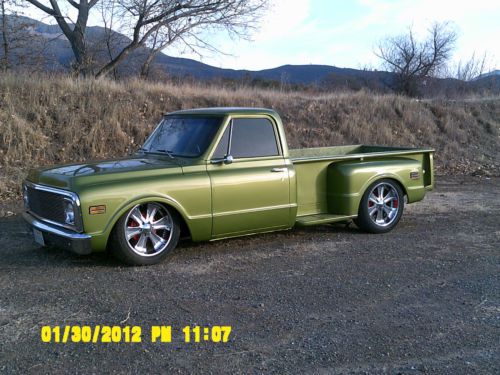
(168, 152)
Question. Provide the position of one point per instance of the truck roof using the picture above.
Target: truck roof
(225, 111)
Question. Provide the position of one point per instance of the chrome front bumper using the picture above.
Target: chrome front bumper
(78, 243)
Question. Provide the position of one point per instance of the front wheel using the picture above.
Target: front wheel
(145, 234)
(381, 207)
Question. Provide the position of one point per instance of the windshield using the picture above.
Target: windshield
(183, 136)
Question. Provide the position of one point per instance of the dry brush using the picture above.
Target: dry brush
(50, 120)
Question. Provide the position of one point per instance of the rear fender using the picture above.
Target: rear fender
(347, 181)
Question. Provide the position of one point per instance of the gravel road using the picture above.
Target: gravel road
(424, 298)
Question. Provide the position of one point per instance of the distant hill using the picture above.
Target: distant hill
(56, 55)
(494, 73)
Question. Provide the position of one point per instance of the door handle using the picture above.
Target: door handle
(278, 170)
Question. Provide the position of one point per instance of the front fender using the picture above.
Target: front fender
(200, 227)
(189, 194)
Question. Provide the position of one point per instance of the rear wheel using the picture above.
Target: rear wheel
(381, 207)
(145, 234)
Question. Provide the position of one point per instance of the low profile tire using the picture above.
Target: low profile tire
(381, 207)
(145, 234)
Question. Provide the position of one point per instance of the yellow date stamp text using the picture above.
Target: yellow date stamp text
(133, 334)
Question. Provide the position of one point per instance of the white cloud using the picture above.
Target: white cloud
(283, 19)
(284, 22)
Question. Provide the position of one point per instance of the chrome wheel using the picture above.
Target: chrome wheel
(148, 229)
(383, 204)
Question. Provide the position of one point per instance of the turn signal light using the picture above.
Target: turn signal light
(97, 210)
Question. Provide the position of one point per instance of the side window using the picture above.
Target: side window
(253, 137)
(221, 149)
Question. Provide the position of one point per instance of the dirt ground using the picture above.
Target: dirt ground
(424, 298)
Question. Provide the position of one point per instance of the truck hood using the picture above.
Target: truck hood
(68, 175)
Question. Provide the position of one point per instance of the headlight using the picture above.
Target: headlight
(69, 212)
(25, 197)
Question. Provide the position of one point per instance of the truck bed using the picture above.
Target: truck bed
(331, 180)
(304, 155)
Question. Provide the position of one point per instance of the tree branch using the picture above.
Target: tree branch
(40, 6)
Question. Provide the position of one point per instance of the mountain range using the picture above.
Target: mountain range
(57, 56)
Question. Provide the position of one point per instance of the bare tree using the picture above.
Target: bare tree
(411, 59)
(108, 16)
(186, 21)
(74, 31)
(22, 47)
(183, 20)
(13, 30)
(5, 36)
(472, 68)
(179, 33)
(158, 42)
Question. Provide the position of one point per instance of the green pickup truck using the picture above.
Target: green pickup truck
(216, 173)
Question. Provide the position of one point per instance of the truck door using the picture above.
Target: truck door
(249, 179)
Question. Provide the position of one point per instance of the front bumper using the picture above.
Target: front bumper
(78, 243)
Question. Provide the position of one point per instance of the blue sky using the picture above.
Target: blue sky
(345, 33)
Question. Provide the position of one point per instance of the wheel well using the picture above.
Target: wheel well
(185, 232)
(403, 189)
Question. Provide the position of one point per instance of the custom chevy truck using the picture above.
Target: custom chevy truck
(217, 173)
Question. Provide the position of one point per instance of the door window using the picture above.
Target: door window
(250, 137)
(253, 137)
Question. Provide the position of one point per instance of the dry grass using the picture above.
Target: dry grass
(47, 120)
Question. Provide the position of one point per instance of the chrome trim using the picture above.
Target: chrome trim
(62, 225)
(57, 231)
(25, 196)
(78, 226)
(50, 189)
(252, 210)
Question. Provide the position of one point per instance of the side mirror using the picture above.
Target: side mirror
(228, 159)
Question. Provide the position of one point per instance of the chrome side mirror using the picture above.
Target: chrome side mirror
(228, 159)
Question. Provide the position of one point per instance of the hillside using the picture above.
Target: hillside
(57, 120)
(490, 74)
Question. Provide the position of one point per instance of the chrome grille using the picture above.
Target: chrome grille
(46, 205)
